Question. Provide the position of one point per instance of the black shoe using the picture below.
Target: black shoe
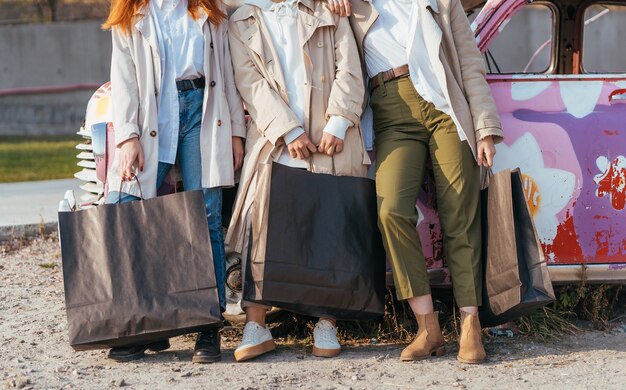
(134, 352)
(207, 349)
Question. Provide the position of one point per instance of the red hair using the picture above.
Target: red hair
(123, 11)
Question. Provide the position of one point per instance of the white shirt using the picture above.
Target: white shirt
(282, 23)
(181, 47)
(386, 42)
(395, 40)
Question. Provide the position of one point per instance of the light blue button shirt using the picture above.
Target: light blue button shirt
(181, 46)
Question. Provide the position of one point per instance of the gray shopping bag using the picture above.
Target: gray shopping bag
(320, 253)
(138, 272)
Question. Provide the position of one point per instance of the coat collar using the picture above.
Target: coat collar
(254, 34)
(309, 23)
(244, 12)
(144, 13)
(145, 24)
(432, 4)
(256, 38)
(202, 17)
(365, 15)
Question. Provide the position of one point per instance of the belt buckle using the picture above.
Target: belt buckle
(389, 75)
(380, 79)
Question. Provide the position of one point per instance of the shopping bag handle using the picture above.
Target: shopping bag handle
(332, 159)
(485, 177)
(119, 193)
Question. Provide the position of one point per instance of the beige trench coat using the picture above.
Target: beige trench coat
(135, 86)
(456, 60)
(334, 86)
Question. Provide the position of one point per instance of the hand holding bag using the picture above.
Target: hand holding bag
(516, 280)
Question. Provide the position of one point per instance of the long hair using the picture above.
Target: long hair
(123, 11)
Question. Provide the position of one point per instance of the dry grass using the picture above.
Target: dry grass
(547, 323)
(598, 304)
(13, 244)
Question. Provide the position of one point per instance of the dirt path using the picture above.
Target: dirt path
(34, 353)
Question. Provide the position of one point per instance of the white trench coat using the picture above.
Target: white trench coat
(135, 86)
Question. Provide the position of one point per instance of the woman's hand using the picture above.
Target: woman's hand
(330, 144)
(301, 147)
(130, 153)
(237, 153)
(486, 151)
(340, 7)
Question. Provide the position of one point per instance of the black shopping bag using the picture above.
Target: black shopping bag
(323, 255)
(138, 272)
(516, 280)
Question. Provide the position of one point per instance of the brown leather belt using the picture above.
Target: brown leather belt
(388, 75)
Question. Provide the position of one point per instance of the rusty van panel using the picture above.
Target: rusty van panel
(567, 133)
(569, 139)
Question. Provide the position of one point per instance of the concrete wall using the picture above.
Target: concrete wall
(39, 55)
(42, 55)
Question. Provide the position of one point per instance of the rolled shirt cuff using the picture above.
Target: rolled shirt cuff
(126, 131)
(292, 135)
(338, 125)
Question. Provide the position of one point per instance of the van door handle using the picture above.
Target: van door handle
(618, 94)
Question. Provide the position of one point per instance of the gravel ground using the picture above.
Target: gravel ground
(34, 352)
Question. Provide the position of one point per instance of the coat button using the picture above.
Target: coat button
(211, 45)
(212, 84)
(219, 122)
(320, 44)
(153, 133)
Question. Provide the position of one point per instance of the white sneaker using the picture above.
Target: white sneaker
(256, 341)
(325, 342)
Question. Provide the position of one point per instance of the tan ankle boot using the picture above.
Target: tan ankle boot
(429, 340)
(471, 348)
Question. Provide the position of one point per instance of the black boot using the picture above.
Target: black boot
(134, 352)
(207, 349)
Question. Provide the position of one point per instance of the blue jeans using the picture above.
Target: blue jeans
(188, 153)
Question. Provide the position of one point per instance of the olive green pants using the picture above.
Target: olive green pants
(408, 129)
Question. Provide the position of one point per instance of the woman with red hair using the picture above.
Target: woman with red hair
(174, 99)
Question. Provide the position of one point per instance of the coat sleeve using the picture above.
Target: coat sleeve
(483, 109)
(237, 117)
(348, 91)
(124, 89)
(269, 111)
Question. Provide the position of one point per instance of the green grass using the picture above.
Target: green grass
(37, 158)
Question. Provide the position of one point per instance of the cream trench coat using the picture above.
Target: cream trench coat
(457, 62)
(135, 86)
(334, 87)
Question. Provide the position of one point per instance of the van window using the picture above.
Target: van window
(525, 44)
(604, 30)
